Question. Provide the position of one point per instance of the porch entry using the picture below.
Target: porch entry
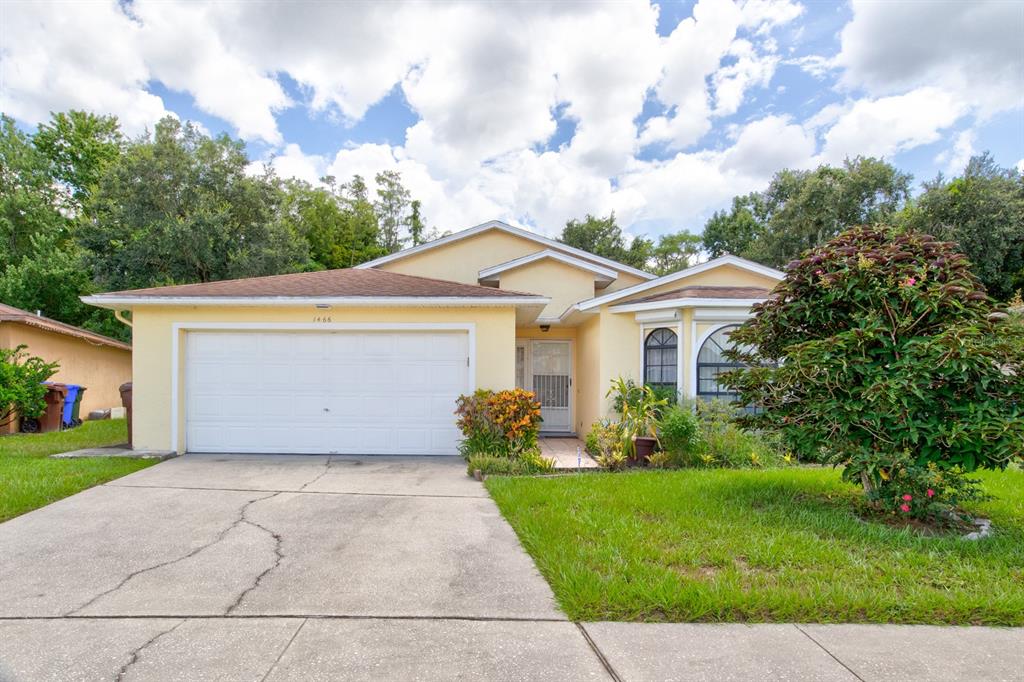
(545, 367)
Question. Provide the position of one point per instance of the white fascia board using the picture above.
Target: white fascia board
(505, 227)
(687, 303)
(599, 271)
(676, 276)
(127, 302)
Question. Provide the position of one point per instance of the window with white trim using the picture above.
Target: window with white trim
(661, 359)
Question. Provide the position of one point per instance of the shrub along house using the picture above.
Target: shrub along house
(371, 359)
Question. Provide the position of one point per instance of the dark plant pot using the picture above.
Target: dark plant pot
(643, 447)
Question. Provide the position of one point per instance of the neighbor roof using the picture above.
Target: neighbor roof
(706, 292)
(350, 286)
(505, 227)
(12, 314)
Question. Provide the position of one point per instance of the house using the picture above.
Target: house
(370, 359)
(98, 362)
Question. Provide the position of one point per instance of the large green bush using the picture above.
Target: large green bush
(879, 343)
(21, 384)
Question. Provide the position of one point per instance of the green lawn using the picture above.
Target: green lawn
(29, 479)
(758, 546)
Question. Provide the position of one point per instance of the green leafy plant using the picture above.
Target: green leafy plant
(604, 444)
(525, 464)
(21, 384)
(724, 442)
(640, 410)
(502, 423)
(679, 435)
(881, 342)
(924, 492)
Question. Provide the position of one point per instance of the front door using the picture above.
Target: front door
(550, 365)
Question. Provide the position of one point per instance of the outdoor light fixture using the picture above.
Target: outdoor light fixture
(545, 327)
(322, 306)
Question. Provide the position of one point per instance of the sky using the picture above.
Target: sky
(536, 113)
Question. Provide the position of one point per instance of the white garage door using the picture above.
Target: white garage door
(324, 392)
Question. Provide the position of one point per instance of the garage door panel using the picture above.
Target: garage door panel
(324, 392)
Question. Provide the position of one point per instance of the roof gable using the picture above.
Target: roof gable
(602, 275)
(549, 244)
(728, 260)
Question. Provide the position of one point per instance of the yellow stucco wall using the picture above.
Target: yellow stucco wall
(588, 359)
(101, 369)
(564, 284)
(463, 259)
(153, 331)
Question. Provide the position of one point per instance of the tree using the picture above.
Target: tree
(880, 352)
(603, 237)
(31, 204)
(675, 252)
(392, 206)
(983, 211)
(21, 384)
(80, 146)
(802, 209)
(415, 223)
(179, 207)
(736, 231)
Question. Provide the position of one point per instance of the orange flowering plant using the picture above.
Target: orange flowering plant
(505, 422)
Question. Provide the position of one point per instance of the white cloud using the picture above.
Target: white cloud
(885, 126)
(1020, 166)
(55, 57)
(970, 48)
(764, 15)
(956, 158)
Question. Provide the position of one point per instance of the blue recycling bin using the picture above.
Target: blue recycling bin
(67, 418)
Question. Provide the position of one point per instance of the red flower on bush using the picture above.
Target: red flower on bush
(904, 507)
(930, 493)
(908, 498)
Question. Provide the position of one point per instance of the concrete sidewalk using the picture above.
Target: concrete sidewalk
(340, 648)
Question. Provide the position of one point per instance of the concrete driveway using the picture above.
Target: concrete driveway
(279, 567)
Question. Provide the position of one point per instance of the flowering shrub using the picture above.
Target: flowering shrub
(504, 423)
(924, 492)
(881, 342)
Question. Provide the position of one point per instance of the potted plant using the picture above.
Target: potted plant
(640, 409)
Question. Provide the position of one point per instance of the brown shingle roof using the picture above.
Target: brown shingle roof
(327, 283)
(12, 314)
(706, 292)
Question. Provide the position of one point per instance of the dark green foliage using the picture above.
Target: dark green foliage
(21, 383)
(679, 434)
(30, 200)
(801, 209)
(603, 236)
(983, 212)
(181, 208)
(889, 345)
(80, 146)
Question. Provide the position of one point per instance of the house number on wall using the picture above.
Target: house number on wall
(322, 318)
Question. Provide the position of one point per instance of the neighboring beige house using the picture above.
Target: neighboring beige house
(370, 359)
(99, 363)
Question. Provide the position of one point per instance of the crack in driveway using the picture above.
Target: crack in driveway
(137, 652)
(278, 556)
(327, 467)
(188, 555)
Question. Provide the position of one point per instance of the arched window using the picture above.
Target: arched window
(661, 353)
(711, 362)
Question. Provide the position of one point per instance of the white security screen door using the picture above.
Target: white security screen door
(552, 383)
(344, 392)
